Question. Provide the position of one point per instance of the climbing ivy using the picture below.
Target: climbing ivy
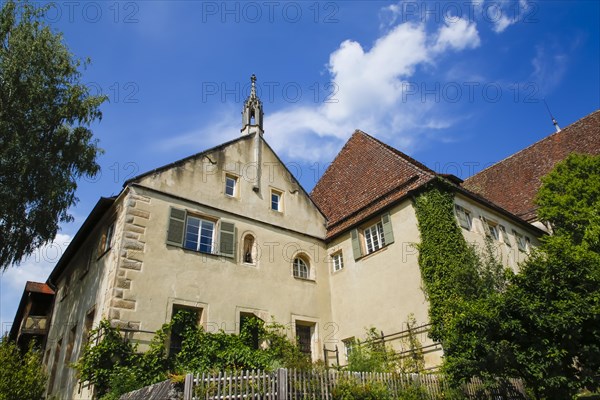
(458, 280)
(449, 266)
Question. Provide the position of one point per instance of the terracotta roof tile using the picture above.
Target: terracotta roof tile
(365, 177)
(513, 182)
(38, 287)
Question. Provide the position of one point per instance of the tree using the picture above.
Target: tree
(570, 199)
(45, 139)
(545, 326)
(22, 376)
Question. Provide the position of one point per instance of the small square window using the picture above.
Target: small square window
(338, 261)
(276, 200)
(231, 185)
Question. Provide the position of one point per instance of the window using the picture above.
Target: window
(276, 200)
(199, 234)
(504, 235)
(304, 338)
(250, 250)
(231, 185)
(87, 264)
(490, 228)
(338, 261)
(300, 268)
(106, 240)
(65, 287)
(183, 317)
(521, 245)
(372, 238)
(54, 368)
(88, 324)
(493, 231)
(70, 345)
(464, 217)
(527, 244)
(349, 345)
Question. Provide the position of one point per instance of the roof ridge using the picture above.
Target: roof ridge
(551, 136)
(356, 131)
(405, 157)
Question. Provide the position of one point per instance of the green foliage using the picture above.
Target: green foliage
(453, 273)
(22, 376)
(551, 311)
(99, 362)
(372, 355)
(414, 362)
(351, 389)
(45, 140)
(543, 324)
(114, 366)
(570, 199)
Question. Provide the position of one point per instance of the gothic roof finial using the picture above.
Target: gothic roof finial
(253, 91)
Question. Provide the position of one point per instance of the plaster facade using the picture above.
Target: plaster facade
(132, 262)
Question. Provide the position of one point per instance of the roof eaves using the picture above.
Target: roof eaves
(101, 207)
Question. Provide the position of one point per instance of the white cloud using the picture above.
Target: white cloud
(457, 35)
(549, 68)
(506, 13)
(370, 94)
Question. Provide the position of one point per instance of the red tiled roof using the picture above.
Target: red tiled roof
(365, 177)
(513, 182)
(38, 287)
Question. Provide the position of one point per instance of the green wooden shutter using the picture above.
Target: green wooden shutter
(388, 234)
(356, 249)
(227, 239)
(176, 227)
(486, 227)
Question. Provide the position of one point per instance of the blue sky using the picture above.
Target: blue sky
(458, 85)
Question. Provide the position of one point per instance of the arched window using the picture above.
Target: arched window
(249, 254)
(301, 268)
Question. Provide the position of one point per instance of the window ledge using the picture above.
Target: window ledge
(309, 280)
(384, 248)
(249, 265)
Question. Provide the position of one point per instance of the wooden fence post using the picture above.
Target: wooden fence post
(188, 387)
(282, 384)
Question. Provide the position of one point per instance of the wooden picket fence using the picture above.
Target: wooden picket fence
(291, 384)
